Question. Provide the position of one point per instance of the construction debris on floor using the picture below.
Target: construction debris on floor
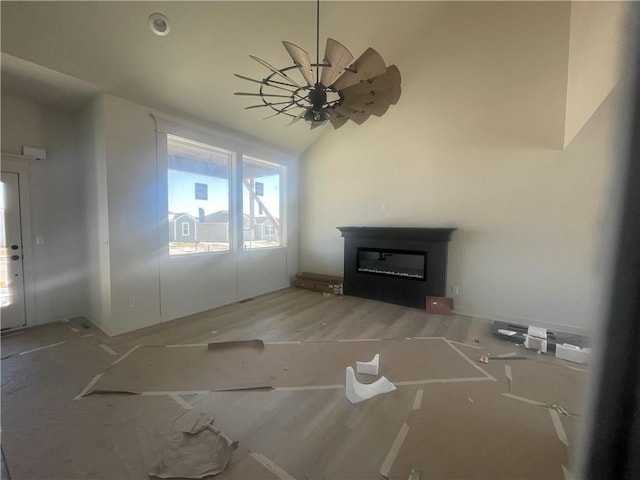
(197, 452)
(329, 284)
(77, 404)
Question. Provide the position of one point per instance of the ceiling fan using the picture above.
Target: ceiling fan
(339, 91)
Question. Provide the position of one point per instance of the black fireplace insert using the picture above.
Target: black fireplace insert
(395, 265)
(407, 264)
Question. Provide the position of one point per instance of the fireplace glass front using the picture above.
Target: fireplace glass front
(393, 263)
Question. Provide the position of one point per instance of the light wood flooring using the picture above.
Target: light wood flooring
(50, 433)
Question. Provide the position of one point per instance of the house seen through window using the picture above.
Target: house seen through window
(199, 179)
(201, 214)
(261, 203)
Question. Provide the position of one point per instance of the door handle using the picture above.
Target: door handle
(15, 257)
(14, 247)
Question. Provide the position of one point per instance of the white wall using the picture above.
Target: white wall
(92, 150)
(130, 152)
(140, 270)
(475, 143)
(595, 47)
(98, 203)
(57, 206)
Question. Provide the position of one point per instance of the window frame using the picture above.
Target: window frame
(282, 191)
(240, 147)
(163, 147)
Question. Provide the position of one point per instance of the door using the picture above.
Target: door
(12, 301)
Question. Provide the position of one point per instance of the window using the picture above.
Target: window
(199, 179)
(220, 200)
(261, 203)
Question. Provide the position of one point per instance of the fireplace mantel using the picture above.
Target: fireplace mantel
(417, 258)
(398, 233)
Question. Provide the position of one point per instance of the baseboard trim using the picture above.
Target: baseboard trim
(558, 327)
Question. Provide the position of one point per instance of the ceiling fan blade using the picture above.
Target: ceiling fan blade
(338, 120)
(338, 58)
(248, 94)
(276, 71)
(282, 110)
(268, 83)
(391, 78)
(390, 96)
(248, 78)
(342, 110)
(265, 105)
(357, 116)
(360, 117)
(375, 102)
(368, 65)
(374, 108)
(302, 60)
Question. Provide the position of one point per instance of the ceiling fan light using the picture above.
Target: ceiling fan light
(317, 117)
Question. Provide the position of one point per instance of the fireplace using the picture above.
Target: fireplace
(395, 265)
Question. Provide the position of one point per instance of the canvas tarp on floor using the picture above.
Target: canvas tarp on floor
(307, 364)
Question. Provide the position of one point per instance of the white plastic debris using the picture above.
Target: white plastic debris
(573, 353)
(503, 331)
(369, 368)
(357, 392)
(536, 339)
(537, 332)
(535, 343)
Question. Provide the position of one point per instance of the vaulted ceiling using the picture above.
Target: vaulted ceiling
(63, 53)
(109, 47)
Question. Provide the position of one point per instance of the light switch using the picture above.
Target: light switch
(39, 240)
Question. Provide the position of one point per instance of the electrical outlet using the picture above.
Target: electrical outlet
(132, 302)
(456, 290)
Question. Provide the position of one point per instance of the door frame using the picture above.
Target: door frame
(21, 164)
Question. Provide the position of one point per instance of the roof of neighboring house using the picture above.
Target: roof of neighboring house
(222, 216)
(175, 216)
(261, 220)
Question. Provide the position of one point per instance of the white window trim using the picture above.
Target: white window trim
(240, 146)
(226, 140)
(284, 185)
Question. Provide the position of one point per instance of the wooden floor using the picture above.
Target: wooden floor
(49, 432)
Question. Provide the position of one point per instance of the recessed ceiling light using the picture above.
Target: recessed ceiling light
(159, 24)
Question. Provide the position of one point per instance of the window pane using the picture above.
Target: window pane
(198, 180)
(261, 204)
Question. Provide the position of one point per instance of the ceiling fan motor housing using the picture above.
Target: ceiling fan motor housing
(317, 114)
(318, 97)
